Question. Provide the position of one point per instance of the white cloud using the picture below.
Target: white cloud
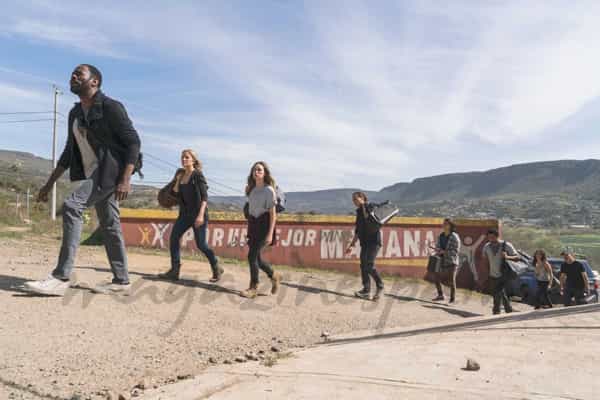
(354, 93)
(11, 93)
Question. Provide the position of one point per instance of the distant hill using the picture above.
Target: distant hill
(532, 190)
(20, 171)
(520, 180)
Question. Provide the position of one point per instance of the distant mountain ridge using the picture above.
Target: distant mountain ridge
(529, 178)
(562, 177)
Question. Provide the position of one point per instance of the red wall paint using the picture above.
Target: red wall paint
(404, 252)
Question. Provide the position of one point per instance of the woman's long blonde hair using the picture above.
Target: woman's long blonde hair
(269, 180)
(197, 162)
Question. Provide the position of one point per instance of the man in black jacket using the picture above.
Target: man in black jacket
(102, 151)
(574, 281)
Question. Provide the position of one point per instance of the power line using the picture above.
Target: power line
(223, 185)
(234, 190)
(28, 176)
(26, 120)
(170, 164)
(213, 191)
(161, 167)
(26, 112)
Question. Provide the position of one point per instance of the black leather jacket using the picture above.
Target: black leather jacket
(112, 136)
(367, 230)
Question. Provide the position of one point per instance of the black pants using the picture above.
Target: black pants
(543, 295)
(570, 293)
(368, 253)
(256, 262)
(448, 273)
(498, 286)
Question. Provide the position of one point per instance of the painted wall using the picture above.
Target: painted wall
(320, 241)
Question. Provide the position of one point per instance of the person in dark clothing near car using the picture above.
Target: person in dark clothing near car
(544, 278)
(102, 151)
(192, 195)
(573, 280)
(495, 252)
(368, 233)
(448, 247)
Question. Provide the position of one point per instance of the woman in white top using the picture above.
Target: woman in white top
(262, 216)
(544, 277)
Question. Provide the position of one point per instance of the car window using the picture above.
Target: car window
(588, 268)
(555, 265)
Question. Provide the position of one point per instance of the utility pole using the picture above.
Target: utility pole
(53, 207)
(27, 202)
(17, 205)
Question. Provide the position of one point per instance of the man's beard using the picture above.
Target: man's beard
(80, 87)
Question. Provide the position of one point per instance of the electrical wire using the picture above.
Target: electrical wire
(26, 112)
(26, 120)
(213, 181)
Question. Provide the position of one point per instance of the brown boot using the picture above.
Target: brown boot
(249, 293)
(275, 281)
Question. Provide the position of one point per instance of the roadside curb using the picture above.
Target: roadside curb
(220, 378)
(474, 322)
(201, 387)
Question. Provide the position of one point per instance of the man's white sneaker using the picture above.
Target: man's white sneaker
(49, 286)
(109, 287)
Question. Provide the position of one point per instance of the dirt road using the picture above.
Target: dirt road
(89, 345)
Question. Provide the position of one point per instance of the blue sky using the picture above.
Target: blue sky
(331, 94)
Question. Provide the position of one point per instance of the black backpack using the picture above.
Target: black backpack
(378, 214)
(280, 207)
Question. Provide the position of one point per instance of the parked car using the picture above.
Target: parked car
(525, 285)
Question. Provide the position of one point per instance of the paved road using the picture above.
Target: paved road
(525, 357)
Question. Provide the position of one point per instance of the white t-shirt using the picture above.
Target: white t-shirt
(88, 156)
(261, 200)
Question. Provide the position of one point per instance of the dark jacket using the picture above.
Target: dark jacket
(200, 191)
(451, 245)
(112, 136)
(367, 230)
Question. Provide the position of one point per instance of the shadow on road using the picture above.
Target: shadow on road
(316, 290)
(15, 284)
(453, 311)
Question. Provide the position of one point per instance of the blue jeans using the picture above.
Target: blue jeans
(89, 194)
(182, 224)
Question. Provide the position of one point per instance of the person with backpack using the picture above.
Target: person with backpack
(495, 252)
(448, 248)
(368, 233)
(262, 216)
(102, 152)
(191, 191)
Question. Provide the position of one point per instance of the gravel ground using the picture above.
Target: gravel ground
(89, 346)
